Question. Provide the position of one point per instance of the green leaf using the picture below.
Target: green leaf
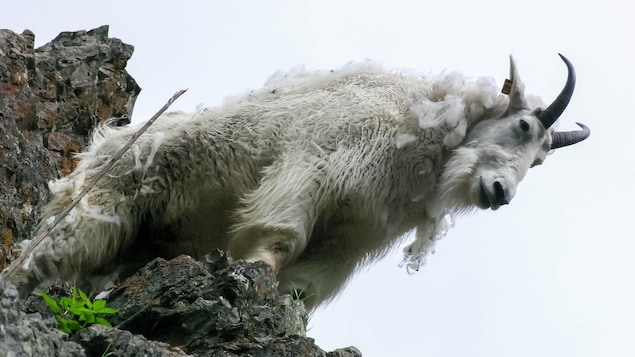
(107, 310)
(73, 325)
(66, 303)
(98, 305)
(76, 312)
(88, 316)
(62, 325)
(103, 322)
(85, 299)
(51, 303)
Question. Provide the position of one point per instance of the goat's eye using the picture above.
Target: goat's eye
(524, 126)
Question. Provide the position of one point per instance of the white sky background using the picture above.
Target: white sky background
(552, 274)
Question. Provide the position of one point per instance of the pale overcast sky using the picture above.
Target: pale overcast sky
(552, 274)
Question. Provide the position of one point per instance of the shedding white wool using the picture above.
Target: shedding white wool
(96, 213)
(300, 76)
(157, 140)
(67, 185)
(72, 216)
(404, 139)
(27, 261)
(416, 254)
(455, 137)
(283, 78)
(136, 152)
(433, 114)
(103, 294)
(23, 244)
(484, 91)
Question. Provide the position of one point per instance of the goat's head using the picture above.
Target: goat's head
(497, 152)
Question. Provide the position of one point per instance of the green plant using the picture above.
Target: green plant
(76, 312)
(299, 294)
(107, 352)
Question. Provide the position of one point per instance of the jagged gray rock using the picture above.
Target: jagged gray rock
(36, 334)
(102, 341)
(50, 99)
(23, 334)
(172, 301)
(211, 308)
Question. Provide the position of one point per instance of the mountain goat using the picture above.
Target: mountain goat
(316, 174)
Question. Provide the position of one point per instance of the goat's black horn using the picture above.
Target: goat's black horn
(566, 138)
(549, 116)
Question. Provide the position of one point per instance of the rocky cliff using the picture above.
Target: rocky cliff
(50, 99)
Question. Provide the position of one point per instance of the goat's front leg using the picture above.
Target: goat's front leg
(276, 219)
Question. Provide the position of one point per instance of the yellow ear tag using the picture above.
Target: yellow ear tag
(507, 87)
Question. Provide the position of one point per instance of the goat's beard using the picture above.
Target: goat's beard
(455, 184)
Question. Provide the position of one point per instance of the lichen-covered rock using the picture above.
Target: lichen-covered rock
(99, 341)
(212, 308)
(24, 334)
(215, 307)
(50, 99)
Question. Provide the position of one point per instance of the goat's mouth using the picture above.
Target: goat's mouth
(492, 198)
(484, 201)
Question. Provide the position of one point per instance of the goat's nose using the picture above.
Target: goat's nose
(500, 194)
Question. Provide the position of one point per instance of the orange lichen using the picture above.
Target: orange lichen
(6, 256)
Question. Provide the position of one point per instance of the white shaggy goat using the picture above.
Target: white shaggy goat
(317, 174)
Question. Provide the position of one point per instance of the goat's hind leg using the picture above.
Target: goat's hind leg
(276, 219)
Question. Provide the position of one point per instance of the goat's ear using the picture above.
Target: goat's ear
(516, 89)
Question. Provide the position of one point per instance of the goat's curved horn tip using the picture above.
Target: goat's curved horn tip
(585, 129)
(566, 138)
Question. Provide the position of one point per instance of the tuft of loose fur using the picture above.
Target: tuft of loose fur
(318, 173)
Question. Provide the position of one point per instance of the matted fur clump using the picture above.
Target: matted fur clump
(318, 173)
